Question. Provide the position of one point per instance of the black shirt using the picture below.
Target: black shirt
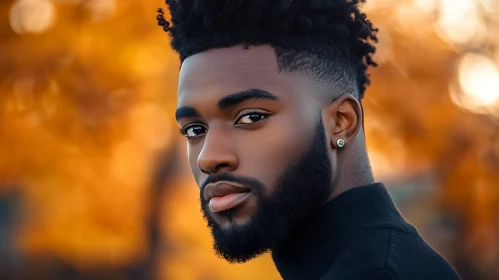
(360, 234)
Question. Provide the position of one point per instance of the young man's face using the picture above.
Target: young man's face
(256, 147)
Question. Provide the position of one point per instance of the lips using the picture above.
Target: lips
(224, 195)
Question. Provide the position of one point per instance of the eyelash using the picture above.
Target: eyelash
(183, 131)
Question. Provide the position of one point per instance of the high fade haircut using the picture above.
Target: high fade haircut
(330, 40)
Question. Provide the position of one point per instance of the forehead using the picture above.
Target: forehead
(218, 72)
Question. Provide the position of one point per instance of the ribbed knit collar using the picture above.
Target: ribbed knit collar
(311, 249)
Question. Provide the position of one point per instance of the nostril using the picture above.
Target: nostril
(204, 171)
(222, 166)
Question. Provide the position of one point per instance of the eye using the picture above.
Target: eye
(251, 118)
(193, 131)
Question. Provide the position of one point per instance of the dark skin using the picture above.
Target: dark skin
(264, 122)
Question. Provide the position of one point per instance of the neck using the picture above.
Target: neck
(354, 168)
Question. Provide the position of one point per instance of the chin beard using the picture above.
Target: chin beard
(302, 188)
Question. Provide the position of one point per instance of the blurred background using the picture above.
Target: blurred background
(94, 182)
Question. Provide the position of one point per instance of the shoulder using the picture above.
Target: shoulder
(387, 253)
(365, 257)
(378, 274)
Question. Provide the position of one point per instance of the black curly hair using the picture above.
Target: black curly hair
(330, 39)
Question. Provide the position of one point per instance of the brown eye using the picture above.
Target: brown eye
(194, 131)
(251, 118)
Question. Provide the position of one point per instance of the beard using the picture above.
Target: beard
(299, 192)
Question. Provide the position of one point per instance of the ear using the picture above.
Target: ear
(342, 119)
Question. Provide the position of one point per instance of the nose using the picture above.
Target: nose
(218, 153)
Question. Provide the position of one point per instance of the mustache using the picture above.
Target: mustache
(253, 184)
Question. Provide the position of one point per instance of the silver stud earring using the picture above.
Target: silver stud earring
(340, 143)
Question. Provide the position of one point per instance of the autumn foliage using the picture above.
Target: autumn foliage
(93, 176)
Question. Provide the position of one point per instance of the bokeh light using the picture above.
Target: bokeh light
(459, 21)
(35, 16)
(490, 6)
(478, 80)
(426, 6)
(101, 9)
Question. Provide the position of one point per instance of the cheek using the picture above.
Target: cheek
(266, 153)
(192, 156)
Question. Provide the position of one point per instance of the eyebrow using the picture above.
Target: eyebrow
(186, 112)
(228, 101)
(243, 96)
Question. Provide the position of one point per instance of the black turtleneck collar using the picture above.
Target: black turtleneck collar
(308, 252)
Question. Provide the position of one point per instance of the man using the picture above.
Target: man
(269, 100)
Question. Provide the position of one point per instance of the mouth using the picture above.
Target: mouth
(225, 203)
(223, 195)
